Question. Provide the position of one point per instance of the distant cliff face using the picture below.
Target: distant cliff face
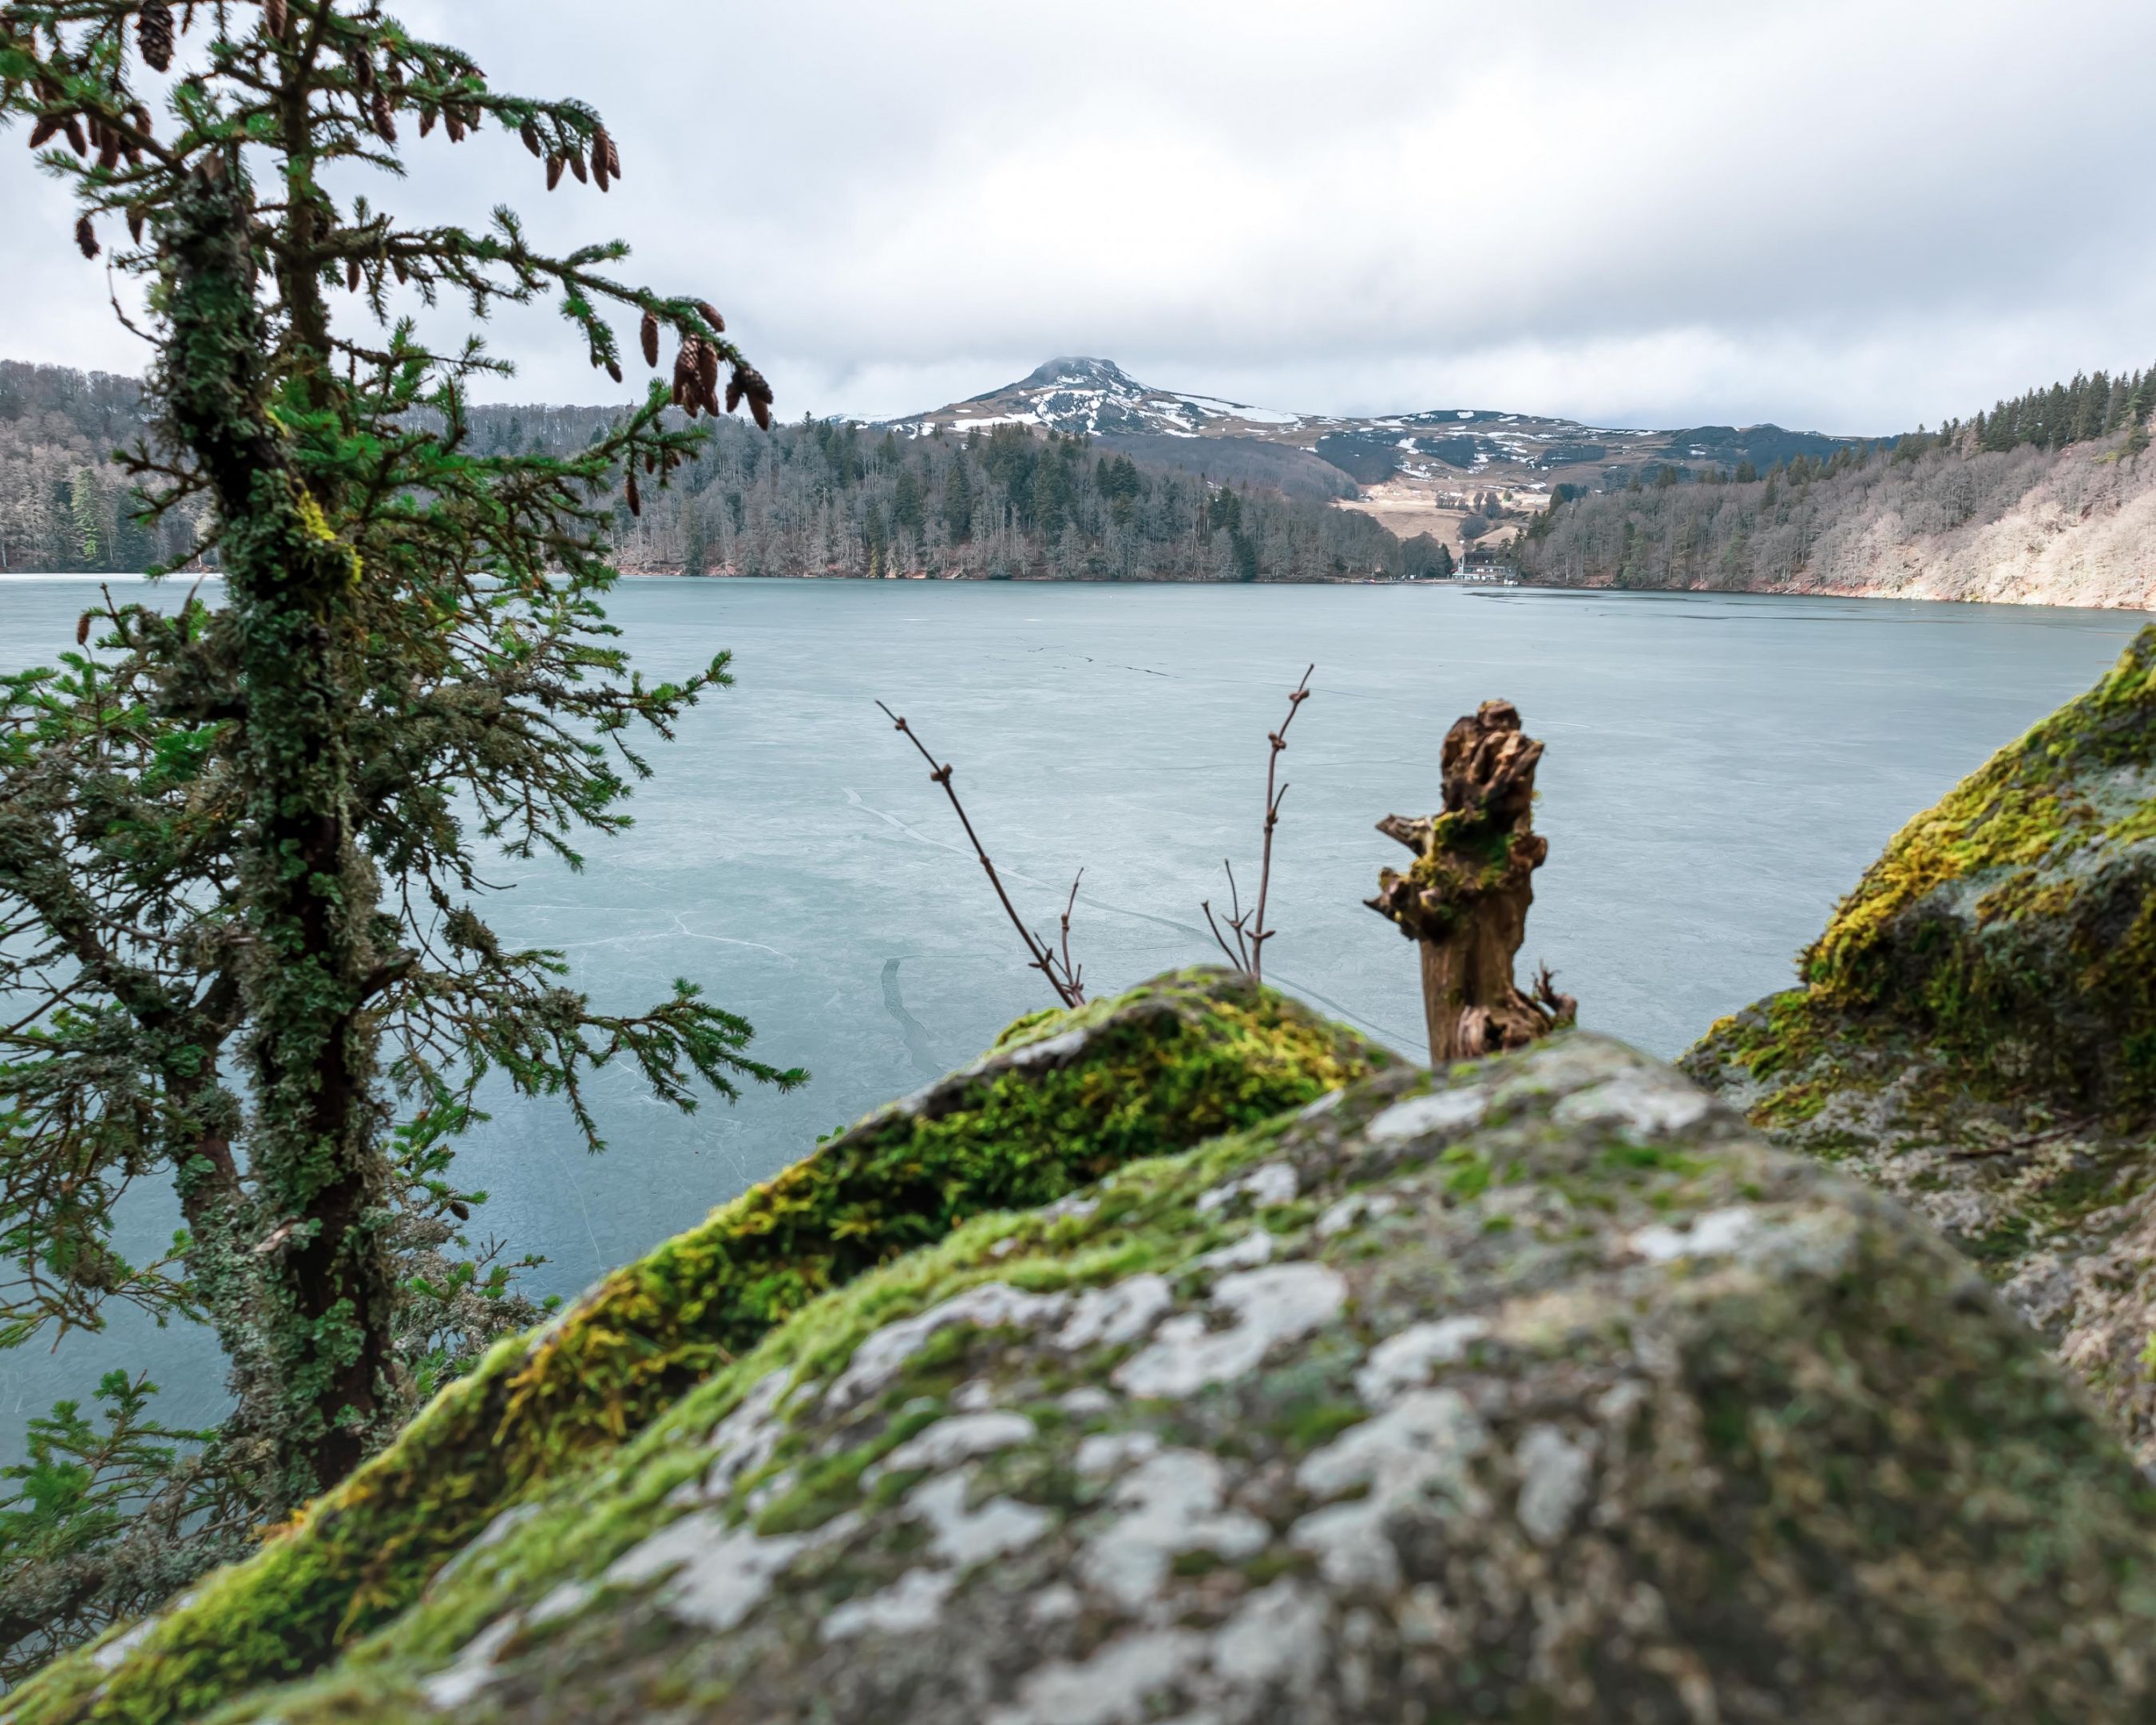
(1976, 1032)
(2074, 526)
(1540, 1389)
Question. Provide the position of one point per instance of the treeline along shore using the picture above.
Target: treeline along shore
(814, 498)
(2045, 498)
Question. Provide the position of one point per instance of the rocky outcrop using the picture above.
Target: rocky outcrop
(1545, 1390)
(1063, 1099)
(2024, 526)
(1976, 1032)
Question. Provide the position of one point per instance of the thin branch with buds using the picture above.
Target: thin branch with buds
(1062, 975)
(1249, 927)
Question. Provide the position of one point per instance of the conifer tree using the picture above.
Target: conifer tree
(242, 847)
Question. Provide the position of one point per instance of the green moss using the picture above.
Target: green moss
(2009, 933)
(1982, 909)
(1180, 1060)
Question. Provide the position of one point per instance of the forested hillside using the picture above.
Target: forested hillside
(2045, 498)
(818, 498)
(824, 497)
(63, 505)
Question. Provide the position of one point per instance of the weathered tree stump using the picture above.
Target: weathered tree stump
(1465, 899)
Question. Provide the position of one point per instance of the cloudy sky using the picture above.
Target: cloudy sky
(1850, 217)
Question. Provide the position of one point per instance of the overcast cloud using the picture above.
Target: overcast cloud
(1845, 217)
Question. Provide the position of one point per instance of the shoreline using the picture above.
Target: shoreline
(1453, 584)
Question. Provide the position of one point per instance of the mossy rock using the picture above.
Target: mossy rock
(1976, 1031)
(1548, 1391)
(2014, 925)
(1063, 1098)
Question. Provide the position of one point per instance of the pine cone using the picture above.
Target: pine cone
(76, 142)
(153, 35)
(577, 168)
(362, 69)
(553, 172)
(530, 134)
(707, 374)
(602, 156)
(82, 627)
(134, 226)
(710, 314)
(397, 264)
(351, 276)
(453, 124)
(650, 335)
(85, 236)
(614, 156)
(43, 132)
(635, 499)
(385, 122)
(426, 119)
(688, 391)
(274, 18)
(614, 370)
(748, 382)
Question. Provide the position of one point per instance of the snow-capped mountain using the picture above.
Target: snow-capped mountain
(1099, 398)
(1477, 445)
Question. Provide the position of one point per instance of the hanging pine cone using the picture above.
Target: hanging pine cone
(613, 155)
(153, 35)
(649, 334)
(553, 172)
(650, 462)
(748, 382)
(385, 122)
(710, 314)
(688, 392)
(82, 627)
(708, 375)
(426, 119)
(41, 133)
(352, 275)
(614, 370)
(577, 168)
(76, 142)
(134, 226)
(397, 264)
(635, 499)
(600, 172)
(362, 69)
(530, 134)
(85, 236)
(453, 124)
(274, 18)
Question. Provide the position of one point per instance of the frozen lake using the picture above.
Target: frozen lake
(1719, 770)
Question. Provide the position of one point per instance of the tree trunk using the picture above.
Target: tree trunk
(1465, 898)
(308, 893)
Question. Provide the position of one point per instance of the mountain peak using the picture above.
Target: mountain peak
(1078, 368)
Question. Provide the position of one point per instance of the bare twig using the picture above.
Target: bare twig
(1073, 973)
(1061, 976)
(1250, 930)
